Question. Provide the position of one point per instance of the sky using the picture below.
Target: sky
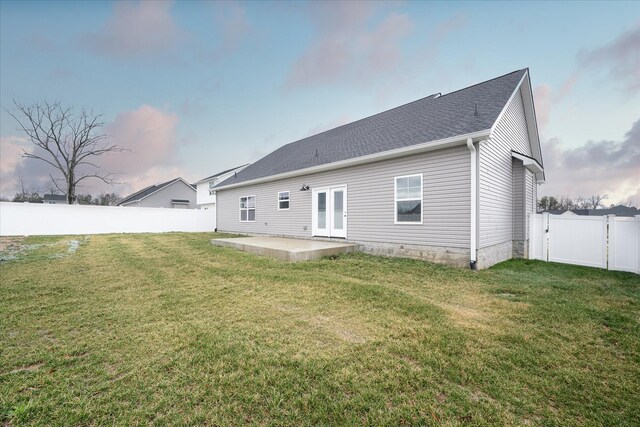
(192, 88)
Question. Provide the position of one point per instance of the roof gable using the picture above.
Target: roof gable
(466, 111)
(222, 173)
(152, 189)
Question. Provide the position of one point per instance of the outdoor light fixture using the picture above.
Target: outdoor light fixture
(305, 187)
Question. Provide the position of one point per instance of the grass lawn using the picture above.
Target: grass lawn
(166, 329)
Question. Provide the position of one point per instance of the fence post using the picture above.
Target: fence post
(545, 234)
(532, 236)
(637, 217)
(611, 242)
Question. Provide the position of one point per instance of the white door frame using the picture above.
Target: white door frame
(329, 230)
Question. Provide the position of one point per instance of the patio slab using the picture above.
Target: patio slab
(292, 250)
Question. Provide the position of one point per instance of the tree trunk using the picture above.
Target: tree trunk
(70, 190)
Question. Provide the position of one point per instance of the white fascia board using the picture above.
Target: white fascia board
(369, 158)
(528, 162)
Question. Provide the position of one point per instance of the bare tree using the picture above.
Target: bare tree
(23, 187)
(597, 199)
(68, 142)
(52, 188)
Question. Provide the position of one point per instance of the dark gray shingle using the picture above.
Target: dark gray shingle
(427, 119)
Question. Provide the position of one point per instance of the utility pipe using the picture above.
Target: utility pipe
(473, 244)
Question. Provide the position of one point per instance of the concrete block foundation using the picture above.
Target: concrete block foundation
(494, 254)
(451, 256)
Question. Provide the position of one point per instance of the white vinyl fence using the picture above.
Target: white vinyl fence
(596, 241)
(21, 219)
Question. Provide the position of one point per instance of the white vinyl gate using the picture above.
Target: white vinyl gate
(595, 241)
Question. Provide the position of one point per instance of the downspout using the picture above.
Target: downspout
(473, 244)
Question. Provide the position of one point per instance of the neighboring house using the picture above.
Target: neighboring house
(450, 178)
(206, 195)
(54, 199)
(618, 210)
(177, 194)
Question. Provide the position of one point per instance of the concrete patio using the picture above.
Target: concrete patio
(292, 250)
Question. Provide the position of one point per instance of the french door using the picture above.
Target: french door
(330, 212)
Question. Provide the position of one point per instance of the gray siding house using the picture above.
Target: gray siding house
(176, 193)
(449, 178)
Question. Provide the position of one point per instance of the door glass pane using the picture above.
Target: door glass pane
(322, 210)
(338, 210)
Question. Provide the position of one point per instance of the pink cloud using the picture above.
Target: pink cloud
(149, 136)
(546, 98)
(12, 166)
(231, 18)
(602, 167)
(144, 28)
(11, 148)
(567, 87)
(385, 42)
(542, 98)
(621, 56)
(347, 45)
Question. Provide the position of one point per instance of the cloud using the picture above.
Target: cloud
(546, 98)
(445, 28)
(150, 137)
(231, 19)
(11, 148)
(137, 29)
(542, 100)
(12, 166)
(347, 45)
(339, 121)
(603, 167)
(621, 56)
(148, 134)
(567, 87)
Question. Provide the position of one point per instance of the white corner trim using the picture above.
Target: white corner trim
(384, 155)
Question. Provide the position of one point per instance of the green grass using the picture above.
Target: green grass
(169, 330)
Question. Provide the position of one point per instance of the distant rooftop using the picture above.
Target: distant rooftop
(221, 173)
(55, 197)
(148, 190)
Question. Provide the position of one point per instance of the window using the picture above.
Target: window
(283, 200)
(212, 184)
(248, 209)
(408, 199)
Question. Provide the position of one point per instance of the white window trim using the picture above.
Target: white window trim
(396, 200)
(246, 209)
(288, 200)
(212, 184)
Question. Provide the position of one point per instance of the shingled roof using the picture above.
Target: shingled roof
(221, 173)
(473, 109)
(139, 195)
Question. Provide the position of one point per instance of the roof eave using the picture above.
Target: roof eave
(384, 155)
(207, 179)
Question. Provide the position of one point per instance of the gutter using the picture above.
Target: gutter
(384, 155)
(473, 243)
